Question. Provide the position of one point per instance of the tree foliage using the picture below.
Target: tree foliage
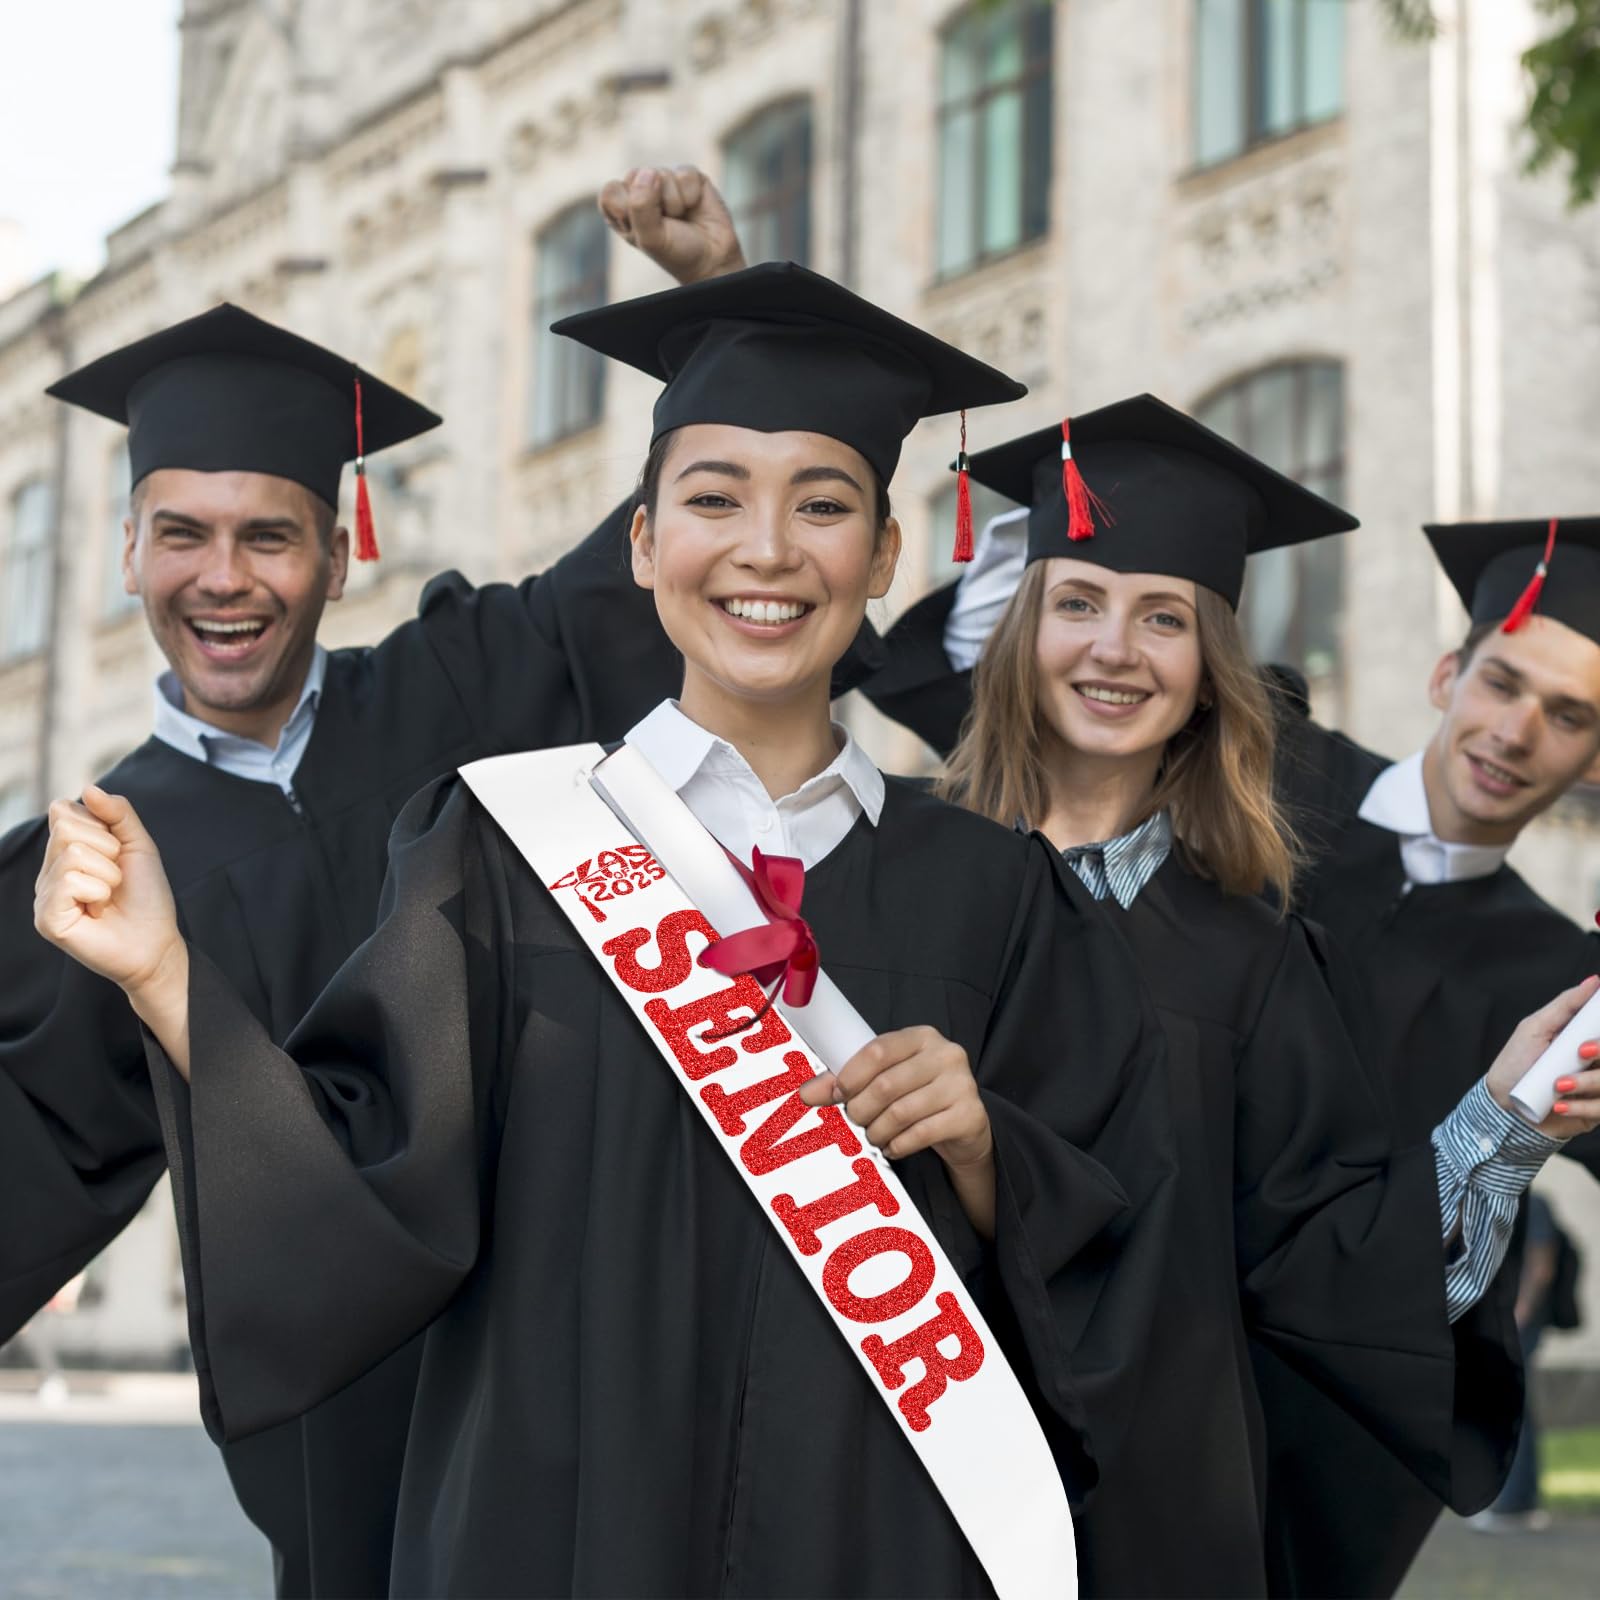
(1564, 111)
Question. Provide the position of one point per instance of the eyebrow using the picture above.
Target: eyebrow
(1553, 702)
(252, 525)
(1168, 595)
(731, 469)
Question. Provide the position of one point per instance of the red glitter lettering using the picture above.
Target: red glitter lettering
(768, 1148)
(922, 1344)
(863, 1247)
(672, 934)
(730, 1110)
(868, 1189)
(724, 1010)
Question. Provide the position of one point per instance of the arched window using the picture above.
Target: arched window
(1263, 68)
(768, 166)
(569, 275)
(994, 131)
(26, 575)
(1292, 417)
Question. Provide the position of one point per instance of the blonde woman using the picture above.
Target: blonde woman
(1115, 710)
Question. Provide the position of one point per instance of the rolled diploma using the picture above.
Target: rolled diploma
(1535, 1093)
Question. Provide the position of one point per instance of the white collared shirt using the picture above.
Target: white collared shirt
(1398, 801)
(243, 758)
(719, 787)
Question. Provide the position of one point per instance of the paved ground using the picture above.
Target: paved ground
(117, 1494)
(1458, 1564)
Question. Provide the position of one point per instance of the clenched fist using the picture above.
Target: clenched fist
(103, 897)
(676, 216)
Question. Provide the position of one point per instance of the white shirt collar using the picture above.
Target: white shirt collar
(200, 740)
(718, 785)
(1398, 801)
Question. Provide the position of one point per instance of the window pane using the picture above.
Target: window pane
(959, 61)
(570, 275)
(1002, 54)
(1277, 81)
(1218, 79)
(1002, 177)
(114, 599)
(769, 183)
(1269, 417)
(958, 185)
(26, 572)
(1324, 427)
(1036, 156)
(1324, 58)
(1268, 607)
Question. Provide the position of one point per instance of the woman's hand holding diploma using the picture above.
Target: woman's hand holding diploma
(102, 896)
(913, 1090)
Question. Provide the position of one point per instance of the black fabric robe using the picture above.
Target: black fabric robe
(1429, 987)
(1443, 973)
(1301, 1231)
(627, 1386)
(278, 898)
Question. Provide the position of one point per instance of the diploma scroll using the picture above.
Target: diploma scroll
(1535, 1094)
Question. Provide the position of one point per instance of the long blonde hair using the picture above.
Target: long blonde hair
(1215, 778)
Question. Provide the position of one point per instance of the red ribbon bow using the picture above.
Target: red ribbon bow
(781, 951)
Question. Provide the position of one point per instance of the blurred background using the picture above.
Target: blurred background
(1312, 223)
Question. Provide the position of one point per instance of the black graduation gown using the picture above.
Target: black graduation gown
(278, 897)
(1298, 1225)
(1430, 989)
(1443, 973)
(627, 1387)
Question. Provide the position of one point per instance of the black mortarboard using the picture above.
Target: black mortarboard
(1502, 570)
(1144, 488)
(227, 392)
(780, 349)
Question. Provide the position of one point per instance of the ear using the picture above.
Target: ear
(1442, 683)
(130, 540)
(644, 549)
(885, 558)
(338, 562)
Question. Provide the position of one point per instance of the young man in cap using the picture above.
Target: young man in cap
(1446, 946)
(274, 773)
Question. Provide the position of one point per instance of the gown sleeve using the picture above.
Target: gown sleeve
(916, 685)
(329, 1191)
(80, 1147)
(1070, 1073)
(1340, 1248)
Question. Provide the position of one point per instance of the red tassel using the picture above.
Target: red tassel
(1529, 597)
(1083, 504)
(366, 535)
(963, 550)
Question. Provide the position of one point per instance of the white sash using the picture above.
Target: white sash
(646, 895)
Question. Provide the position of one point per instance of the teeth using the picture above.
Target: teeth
(230, 627)
(1498, 773)
(771, 611)
(1112, 697)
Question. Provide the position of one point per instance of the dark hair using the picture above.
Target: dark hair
(324, 518)
(649, 484)
(1476, 634)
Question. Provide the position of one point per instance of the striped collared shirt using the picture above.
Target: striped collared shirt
(1121, 867)
(1484, 1157)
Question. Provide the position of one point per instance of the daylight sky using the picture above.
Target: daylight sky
(88, 113)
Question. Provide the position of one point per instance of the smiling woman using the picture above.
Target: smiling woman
(476, 1061)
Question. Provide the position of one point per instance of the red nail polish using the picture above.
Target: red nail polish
(1565, 1085)
(1588, 1050)
(1561, 1108)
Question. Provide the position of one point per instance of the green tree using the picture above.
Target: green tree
(1563, 71)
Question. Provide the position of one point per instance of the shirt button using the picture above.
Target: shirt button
(767, 823)
(1486, 1146)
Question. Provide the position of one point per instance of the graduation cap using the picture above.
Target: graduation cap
(1504, 570)
(780, 349)
(227, 392)
(1139, 487)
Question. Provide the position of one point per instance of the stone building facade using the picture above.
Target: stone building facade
(1278, 215)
